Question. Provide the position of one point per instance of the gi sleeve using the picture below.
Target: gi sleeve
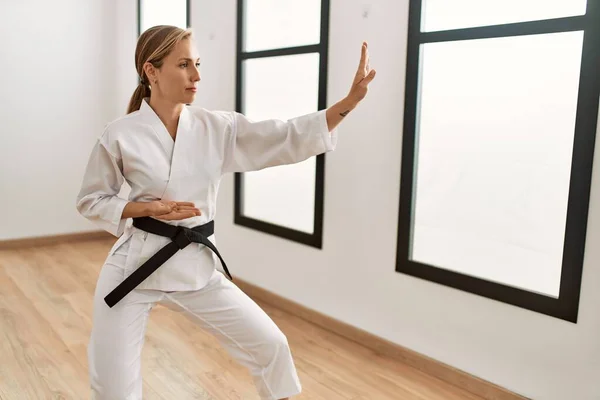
(97, 199)
(255, 145)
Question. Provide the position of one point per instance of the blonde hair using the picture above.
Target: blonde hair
(153, 46)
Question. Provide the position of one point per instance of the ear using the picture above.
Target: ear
(150, 71)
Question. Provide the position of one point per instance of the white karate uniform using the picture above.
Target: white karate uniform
(138, 148)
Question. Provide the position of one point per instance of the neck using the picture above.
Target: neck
(168, 112)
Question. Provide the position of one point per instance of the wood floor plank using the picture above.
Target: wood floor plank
(43, 364)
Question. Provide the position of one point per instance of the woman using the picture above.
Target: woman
(173, 157)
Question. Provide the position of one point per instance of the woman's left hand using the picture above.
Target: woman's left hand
(358, 91)
(364, 76)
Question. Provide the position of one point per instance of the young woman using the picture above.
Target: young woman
(173, 157)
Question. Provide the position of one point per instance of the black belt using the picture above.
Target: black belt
(180, 236)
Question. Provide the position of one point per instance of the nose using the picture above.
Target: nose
(196, 75)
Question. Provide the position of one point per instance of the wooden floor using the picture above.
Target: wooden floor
(45, 308)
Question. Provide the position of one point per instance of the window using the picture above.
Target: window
(501, 107)
(160, 12)
(282, 73)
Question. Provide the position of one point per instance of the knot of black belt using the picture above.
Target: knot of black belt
(180, 238)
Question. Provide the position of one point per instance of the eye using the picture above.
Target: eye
(183, 65)
(197, 65)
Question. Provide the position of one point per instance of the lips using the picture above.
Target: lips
(192, 89)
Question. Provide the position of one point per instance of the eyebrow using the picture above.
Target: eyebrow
(188, 59)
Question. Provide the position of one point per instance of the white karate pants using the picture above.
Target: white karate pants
(246, 332)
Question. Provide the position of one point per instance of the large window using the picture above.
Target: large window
(282, 73)
(500, 121)
(161, 12)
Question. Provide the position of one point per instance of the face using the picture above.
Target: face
(178, 77)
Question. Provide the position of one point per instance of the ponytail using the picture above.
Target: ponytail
(141, 91)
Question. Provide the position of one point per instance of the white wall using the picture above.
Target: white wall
(58, 91)
(352, 278)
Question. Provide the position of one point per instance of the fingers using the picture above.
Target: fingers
(176, 210)
(364, 57)
(364, 76)
(185, 214)
(178, 215)
(184, 203)
(364, 82)
(186, 208)
(178, 203)
(369, 78)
